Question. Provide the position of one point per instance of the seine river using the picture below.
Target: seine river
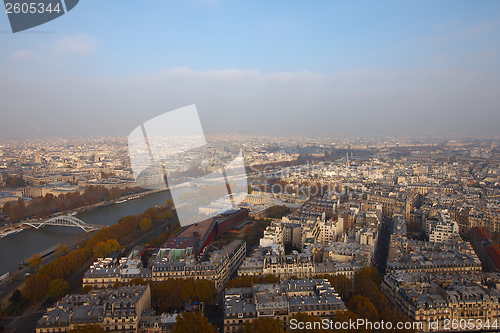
(14, 249)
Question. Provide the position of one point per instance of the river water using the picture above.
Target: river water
(14, 249)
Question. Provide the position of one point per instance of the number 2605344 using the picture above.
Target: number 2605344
(31, 8)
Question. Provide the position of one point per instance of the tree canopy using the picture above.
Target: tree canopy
(364, 308)
(57, 288)
(44, 206)
(36, 286)
(303, 317)
(172, 294)
(266, 325)
(35, 261)
(193, 322)
(102, 249)
(145, 224)
(16, 296)
(104, 242)
(368, 272)
(87, 328)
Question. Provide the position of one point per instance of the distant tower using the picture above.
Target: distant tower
(347, 159)
(38, 159)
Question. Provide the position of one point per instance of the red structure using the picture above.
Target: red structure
(227, 221)
(485, 249)
(205, 231)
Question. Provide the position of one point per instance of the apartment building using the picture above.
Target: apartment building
(437, 299)
(170, 263)
(279, 301)
(442, 229)
(115, 310)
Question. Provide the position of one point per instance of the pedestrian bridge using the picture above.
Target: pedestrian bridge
(65, 221)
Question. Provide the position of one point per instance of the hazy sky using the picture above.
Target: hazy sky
(323, 67)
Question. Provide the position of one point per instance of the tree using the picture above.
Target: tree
(61, 251)
(170, 203)
(204, 290)
(138, 282)
(269, 278)
(380, 301)
(145, 224)
(278, 212)
(167, 294)
(346, 317)
(36, 286)
(102, 249)
(187, 290)
(35, 261)
(365, 287)
(86, 289)
(267, 325)
(193, 322)
(20, 204)
(58, 288)
(87, 328)
(16, 296)
(243, 282)
(341, 283)
(13, 183)
(395, 316)
(362, 306)
(369, 273)
(302, 317)
(7, 208)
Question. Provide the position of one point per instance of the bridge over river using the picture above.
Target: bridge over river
(65, 221)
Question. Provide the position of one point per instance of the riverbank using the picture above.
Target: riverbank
(120, 200)
(123, 199)
(22, 246)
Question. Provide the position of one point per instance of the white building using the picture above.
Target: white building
(272, 235)
(443, 230)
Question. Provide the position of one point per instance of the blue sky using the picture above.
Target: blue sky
(296, 62)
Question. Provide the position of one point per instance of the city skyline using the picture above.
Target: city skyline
(320, 213)
(249, 166)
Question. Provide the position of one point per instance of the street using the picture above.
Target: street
(382, 250)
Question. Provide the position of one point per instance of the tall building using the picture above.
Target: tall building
(38, 158)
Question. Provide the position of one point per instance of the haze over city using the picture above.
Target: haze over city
(205, 166)
(330, 69)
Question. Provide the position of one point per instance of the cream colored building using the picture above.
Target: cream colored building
(114, 310)
(279, 301)
(448, 301)
(219, 268)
